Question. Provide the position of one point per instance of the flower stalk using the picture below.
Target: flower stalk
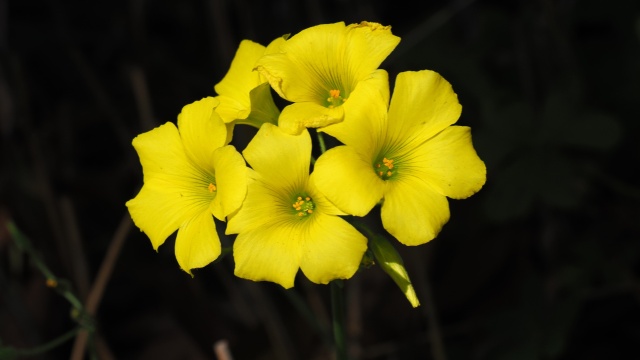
(338, 316)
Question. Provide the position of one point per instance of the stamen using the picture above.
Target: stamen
(335, 99)
(212, 187)
(304, 206)
(383, 168)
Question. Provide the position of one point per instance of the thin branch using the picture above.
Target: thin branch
(100, 283)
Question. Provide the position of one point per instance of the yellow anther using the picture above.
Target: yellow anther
(383, 168)
(334, 99)
(212, 187)
(52, 283)
(303, 205)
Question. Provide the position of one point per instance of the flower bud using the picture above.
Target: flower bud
(390, 261)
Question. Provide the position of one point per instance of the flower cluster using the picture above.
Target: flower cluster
(402, 153)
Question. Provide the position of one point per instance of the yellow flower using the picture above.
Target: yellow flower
(410, 158)
(323, 70)
(244, 94)
(189, 174)
(285, 224)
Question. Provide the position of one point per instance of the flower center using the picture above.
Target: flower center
(335, 99)
(384, 168)
(212, 188)
(304, 206)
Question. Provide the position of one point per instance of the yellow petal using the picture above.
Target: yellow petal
(241, 78)
(197, 243)
(348, 180)
(161, 152)
(413, 212)
(332, 249)
(241, 94)
(422, 105)
(231, 181)
(275, 46)
(158, 214)
(367, 45)
(298, 116)
(270, 253)
(280, 158)
(365, 124)
(230, 126)
(260, 207)
(449, 163)
(202, 131)
(231, 109)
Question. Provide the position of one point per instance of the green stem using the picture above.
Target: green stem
(323, 147)
(337, 307)
(48, 346)
(306, 313)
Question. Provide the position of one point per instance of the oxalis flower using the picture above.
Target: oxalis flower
(409, 159)
(322, 70)
(244, 94)
(285, 223)
(190, 174)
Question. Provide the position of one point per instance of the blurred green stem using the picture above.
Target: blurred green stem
(60, 285)
(306, 313)
(323, 147)
(337, 308)
(45, 347)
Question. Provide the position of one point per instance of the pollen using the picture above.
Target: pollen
(303, 206)
(383, 168)
(212, 187)
(388, 163)
(335, 99)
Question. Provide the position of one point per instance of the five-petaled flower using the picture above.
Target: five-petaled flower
(285, 223)
(323, 70)
(190, 174)
(410, 159)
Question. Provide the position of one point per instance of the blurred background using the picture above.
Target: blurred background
(542, 264)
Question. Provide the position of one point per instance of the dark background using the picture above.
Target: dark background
(543, 263)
